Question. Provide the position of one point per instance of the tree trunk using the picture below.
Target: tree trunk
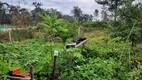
(116, 6)
(133, 43)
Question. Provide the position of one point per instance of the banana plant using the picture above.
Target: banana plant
(51, 24)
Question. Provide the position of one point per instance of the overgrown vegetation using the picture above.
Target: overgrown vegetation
(113, 50)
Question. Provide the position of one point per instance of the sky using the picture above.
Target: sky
(65, 6)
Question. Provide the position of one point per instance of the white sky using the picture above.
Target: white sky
(65, 6)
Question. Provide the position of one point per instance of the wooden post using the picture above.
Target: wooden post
(38, 76)
(53, 69)
(31, 72)
(9, 32)
(54, 65)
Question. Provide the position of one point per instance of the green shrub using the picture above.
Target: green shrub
(4, 36)
(18, 35)
(97, 61)
(89, 26)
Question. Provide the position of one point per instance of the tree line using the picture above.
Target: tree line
(15, 15)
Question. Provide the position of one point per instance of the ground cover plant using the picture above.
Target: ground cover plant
(98, 61)
(113, 50)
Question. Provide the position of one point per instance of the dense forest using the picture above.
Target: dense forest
(106, 47)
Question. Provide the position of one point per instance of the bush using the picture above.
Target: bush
(89, 26)
(90, 52)
(4, 36)
(18, 35)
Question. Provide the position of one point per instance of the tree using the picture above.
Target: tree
(79, 16)
(113, 5)
(129, 23)
(24, 17)
(85, 17)
(20, 16)
(96, 13)
(5, 17)
(68, 18)
(37, 4)
(105, 15)
(77, 13)
(104, 3)
(52, 25)
(52, 11)
(35, 13)
(14, 11)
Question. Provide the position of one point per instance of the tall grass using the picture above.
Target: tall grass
(95, 35)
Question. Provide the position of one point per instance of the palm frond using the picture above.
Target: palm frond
(44, 25)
